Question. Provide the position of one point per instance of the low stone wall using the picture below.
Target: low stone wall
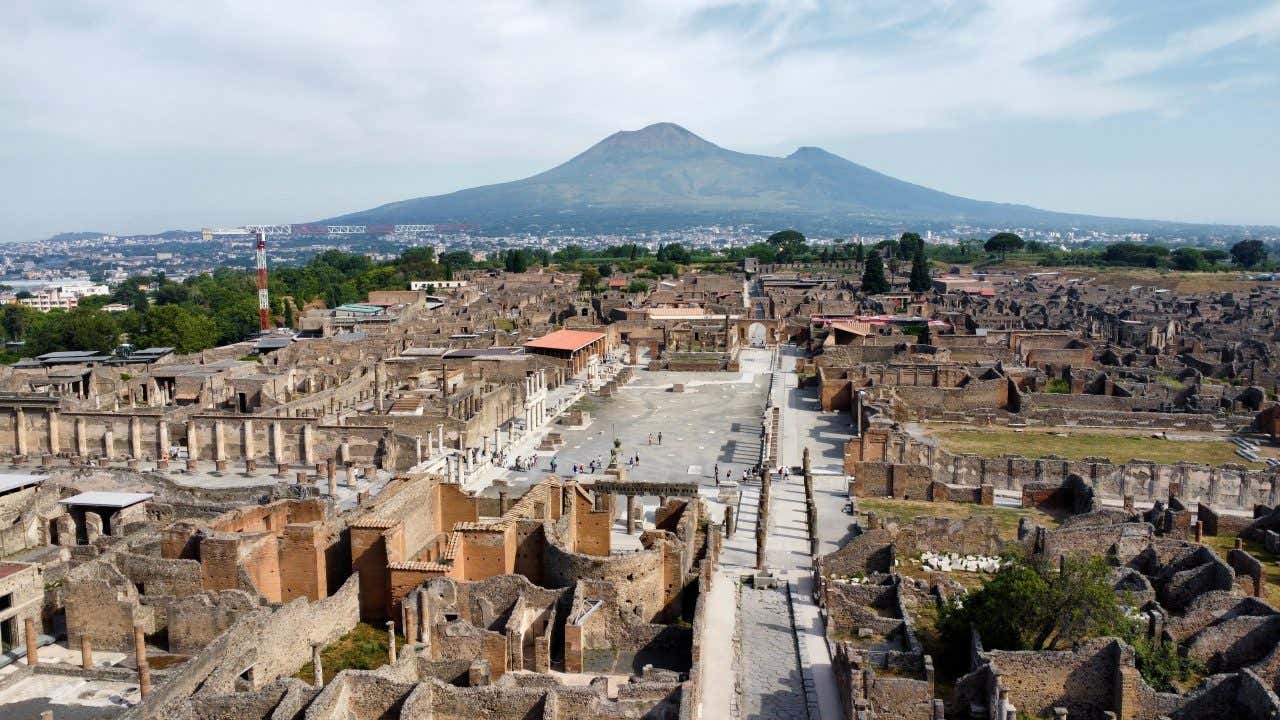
(1227, 486)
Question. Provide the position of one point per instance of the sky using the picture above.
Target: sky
(138, 116)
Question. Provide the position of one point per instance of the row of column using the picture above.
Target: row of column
(23, 446)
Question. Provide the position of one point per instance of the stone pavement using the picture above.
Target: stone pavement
(789, 543)
(771, 679)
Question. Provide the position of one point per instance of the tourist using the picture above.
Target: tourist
(716, 473)
(659, 437)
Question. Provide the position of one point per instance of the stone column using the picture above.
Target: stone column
(317, 670)
(82, 437)
(344, 452)
(308, 444)
(33, 649)
(219, 441)
(135, 438)
(86, 653)
(55, 444)
(417, 449)
(331, 472)
(109, 443)
(410, 626)
(162, 438)
(193, 441)
(20, 430)
(249, 442)
(391, 642)
(277, 443)
(631, 508)
(440, 438)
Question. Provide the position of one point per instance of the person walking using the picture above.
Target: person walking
(650, 438)
(716, 474)
(659, 437)
(728, 474)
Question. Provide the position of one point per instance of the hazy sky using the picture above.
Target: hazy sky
(137, 116)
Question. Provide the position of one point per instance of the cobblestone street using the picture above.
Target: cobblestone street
(771, 685)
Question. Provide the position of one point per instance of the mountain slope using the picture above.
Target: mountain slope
(666, 171)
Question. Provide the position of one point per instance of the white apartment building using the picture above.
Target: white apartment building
(64, 297)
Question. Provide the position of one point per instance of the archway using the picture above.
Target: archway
(756, 334)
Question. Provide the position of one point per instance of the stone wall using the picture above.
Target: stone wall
(1228, 486)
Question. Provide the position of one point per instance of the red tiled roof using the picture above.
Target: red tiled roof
(565, 340)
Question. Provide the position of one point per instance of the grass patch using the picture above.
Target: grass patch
(1006, 518)
(1077, 446)
(364, 648)
(1270, 571)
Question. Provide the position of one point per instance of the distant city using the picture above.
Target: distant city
(56, 272)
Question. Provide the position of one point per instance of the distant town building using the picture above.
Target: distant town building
(64, 297)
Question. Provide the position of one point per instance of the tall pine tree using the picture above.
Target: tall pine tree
(919, 281)
(873, 280)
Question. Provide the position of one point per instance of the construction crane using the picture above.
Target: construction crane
(260, 253)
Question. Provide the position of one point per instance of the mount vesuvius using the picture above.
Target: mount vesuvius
(664, 175)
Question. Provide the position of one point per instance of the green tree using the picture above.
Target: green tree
(920, 280)
(1186, 258)
(873, 279)
(789, 244)
(1213, 256)
(605, 269)
(569, 253)
(515, 261)
(1003, 243)
(637, 286)
(590, 280)
(1031, 606)
(859, 253)
(172, 293)
(673, 253)
(909, 243)
(15, 318)
(177, 327)
(1248, 253)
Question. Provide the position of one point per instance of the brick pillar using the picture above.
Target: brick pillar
(631, 528)
(144, 680)
(33, 649)
(730, 522)
(139, 645)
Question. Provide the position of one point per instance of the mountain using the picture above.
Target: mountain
(664, 175)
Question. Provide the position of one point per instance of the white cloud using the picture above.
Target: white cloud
(402, 82)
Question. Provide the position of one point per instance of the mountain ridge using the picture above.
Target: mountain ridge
(666, 172)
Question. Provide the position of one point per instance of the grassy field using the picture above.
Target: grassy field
(1270, 571)
(364, 648)
(1076, 446)
(1006, 518)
